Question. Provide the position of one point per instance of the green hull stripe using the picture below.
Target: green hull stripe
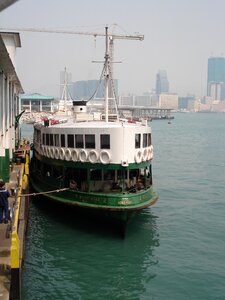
(113, 202)
(4, 166)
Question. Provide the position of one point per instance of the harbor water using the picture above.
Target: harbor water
(174, 250)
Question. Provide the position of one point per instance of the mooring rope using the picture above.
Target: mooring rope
(43, 193)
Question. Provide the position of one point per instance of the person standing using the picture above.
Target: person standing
(4, 203)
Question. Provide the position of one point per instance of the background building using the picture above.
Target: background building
(183, 102)
(168, 100)
(86, 88)
(162, 83)
(150, 100)
(216, 78)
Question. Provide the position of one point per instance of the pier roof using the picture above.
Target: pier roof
(36, 96)
(7, 66)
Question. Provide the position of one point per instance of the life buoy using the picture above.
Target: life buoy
(138, 156)
(74, 155)
(145, 154)
(83, 155)
(56, 153)
(52, 152)
(48, 153)
(105, 157)
(93, 156)
(67, 154)
(61, 153)
(151, 152)
(42, 150)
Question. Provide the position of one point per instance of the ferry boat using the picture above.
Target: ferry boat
(94, 159)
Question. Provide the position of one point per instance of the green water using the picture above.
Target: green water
(174, 250)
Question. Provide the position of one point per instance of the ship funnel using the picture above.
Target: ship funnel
(80, 106)
(80, 111)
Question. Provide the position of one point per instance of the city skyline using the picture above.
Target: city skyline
(179, 38)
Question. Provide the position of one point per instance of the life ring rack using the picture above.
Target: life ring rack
(138, 156)
(52, 152)
(67, 154)
(93, 156)
(56, 153)
(145, 154)
(61, 153)
(74, 155)
(105, 157)
(150, 152)
(83, 155)
(48, 152)
(43, 150)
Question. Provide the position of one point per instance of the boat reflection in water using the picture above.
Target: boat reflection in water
(84, 254)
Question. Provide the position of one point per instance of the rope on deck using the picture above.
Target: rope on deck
(43, 193)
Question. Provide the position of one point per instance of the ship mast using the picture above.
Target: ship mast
(106, 75)
(65, 93)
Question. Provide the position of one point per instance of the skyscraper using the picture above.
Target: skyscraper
(162, 83)
(86, 88)
(216, 78)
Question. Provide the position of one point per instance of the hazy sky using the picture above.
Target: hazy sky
(180, 35)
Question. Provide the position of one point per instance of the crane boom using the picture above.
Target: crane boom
(111, 37)
(95, 34)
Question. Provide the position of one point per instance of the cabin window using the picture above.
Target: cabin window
(47, 139)
(96, 174)
(47, 169)
(149, 139)
(89, 141)
(43, 138)
(70, 140)
(137, 140)
(57, 172)
(105, 141)
(109, 175)
(79, 141)
(62, 138)
(51, 139)
(145, 140)
(56, 140)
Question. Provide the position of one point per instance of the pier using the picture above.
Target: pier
(149, 113)
(12, 235)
